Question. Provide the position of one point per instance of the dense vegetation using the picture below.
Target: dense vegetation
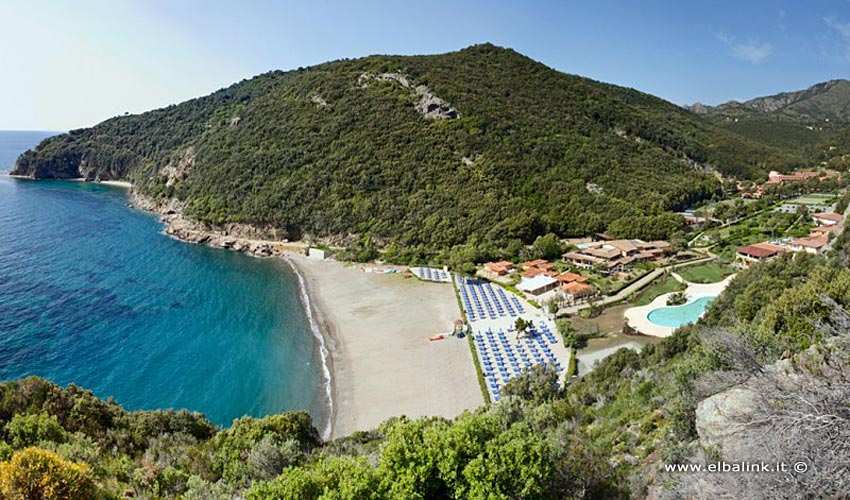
(320, 152)
(796, 122)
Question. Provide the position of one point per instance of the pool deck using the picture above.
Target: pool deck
(638, 317)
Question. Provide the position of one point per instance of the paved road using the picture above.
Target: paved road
(637, 285)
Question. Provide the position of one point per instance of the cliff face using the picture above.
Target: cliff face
(795, 413)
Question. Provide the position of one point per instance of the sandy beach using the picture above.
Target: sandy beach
(383, 365)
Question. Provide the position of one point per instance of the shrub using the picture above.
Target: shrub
(34, 474)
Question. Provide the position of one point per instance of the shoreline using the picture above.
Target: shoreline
(325, 342)
(377, 329)
(372, 336)
(179, 228)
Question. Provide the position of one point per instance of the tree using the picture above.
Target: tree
(522, 325)
(677, 298)
(537, 385)
(547, 247)
(29, 430)
(34, 474)
(516, 464)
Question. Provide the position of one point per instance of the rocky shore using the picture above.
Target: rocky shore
(237, 237)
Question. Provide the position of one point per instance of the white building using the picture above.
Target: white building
(538, 285)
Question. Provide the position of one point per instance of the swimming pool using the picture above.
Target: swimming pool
(676, 316)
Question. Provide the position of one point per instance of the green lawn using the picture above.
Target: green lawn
(711, 272)
(762, 227)
(664, 284)
(814, 199)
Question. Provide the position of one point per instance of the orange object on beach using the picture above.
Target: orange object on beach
(437, 337)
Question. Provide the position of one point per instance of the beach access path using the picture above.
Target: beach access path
(377, 328)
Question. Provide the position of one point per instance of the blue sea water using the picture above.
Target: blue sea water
(676, 316)
(92, 293)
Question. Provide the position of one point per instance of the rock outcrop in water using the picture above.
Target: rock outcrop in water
(237, 237)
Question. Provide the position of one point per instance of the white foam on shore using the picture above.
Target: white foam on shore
(323, 348)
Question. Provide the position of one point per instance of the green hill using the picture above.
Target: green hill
(428, 152)
(792, 121)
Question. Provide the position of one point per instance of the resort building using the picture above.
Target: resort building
(758, 252)
(576, 290)
(538, 285)
(809, 244)
(776, 178)
(569, 277)
(827, 219)
(538, 263)
(616, 255)
(824, 229)
(501, 268)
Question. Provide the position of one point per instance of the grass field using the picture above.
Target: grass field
(711, 272)
(814, 199)
(664, 284)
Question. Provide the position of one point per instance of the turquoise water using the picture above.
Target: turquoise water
(676, 316)
(92, 293)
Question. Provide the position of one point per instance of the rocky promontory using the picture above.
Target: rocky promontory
(237, 237)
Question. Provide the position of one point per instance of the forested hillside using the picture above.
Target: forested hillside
(792, 121)
(427, 152)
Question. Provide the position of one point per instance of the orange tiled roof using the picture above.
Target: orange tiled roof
(575, 288)
(761, 250)
(569, 277)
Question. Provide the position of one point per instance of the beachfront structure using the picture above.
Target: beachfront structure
(501, 268)
(537, 285)
(503, 356)
(316, 253)
(758, 252)
(827, 218)
(484, 300)
(432, 274)
(616, 255)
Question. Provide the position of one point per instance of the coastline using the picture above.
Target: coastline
(377, 329)
(325, 342)
(372, 331)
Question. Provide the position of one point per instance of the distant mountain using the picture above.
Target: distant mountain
(481, 145)
(823, 102)
(793, 121)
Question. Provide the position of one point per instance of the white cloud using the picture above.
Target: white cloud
(754, 51)
(842, 29)
(839, 48)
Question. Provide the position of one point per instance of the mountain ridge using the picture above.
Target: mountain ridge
(797, 102)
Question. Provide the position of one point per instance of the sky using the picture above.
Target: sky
(68, 64)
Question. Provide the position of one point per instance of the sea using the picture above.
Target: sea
(93, 293)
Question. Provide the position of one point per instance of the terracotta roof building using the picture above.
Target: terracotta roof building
(759, 252)
(810, 244)
(615, 255)
(828, 218)
(576, 289)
